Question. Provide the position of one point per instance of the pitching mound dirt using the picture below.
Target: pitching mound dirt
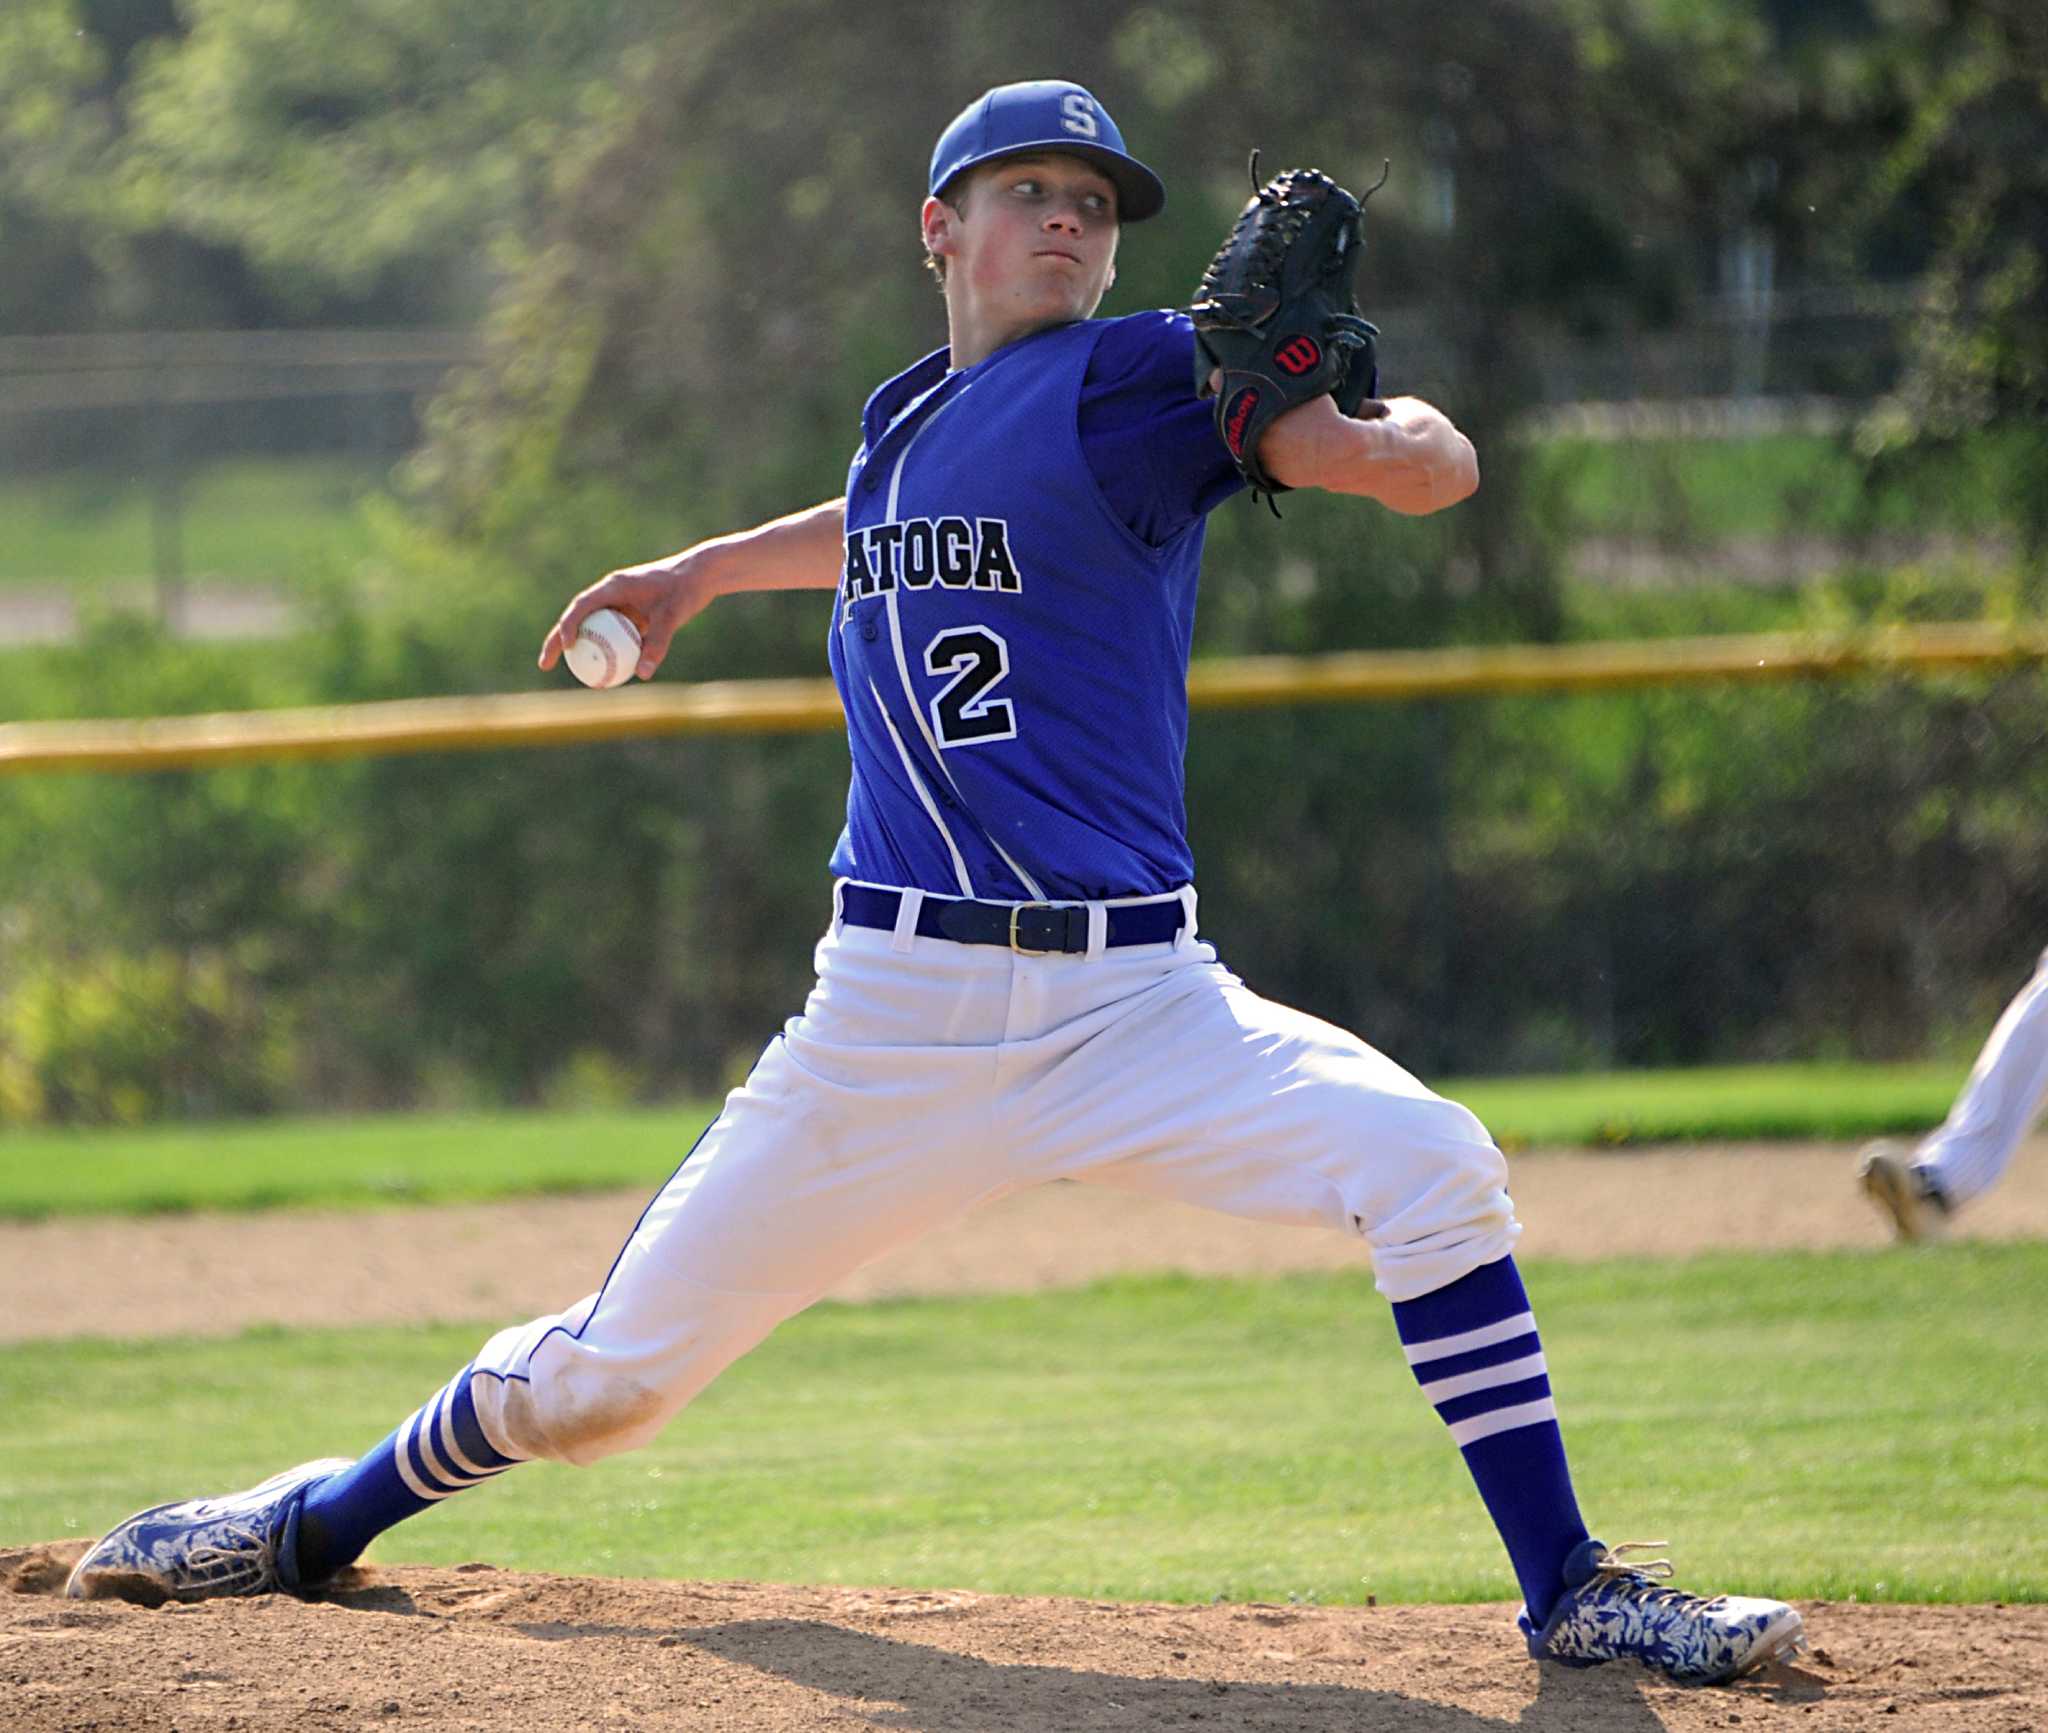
(477, 1648)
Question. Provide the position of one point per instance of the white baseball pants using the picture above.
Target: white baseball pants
(1970, 1149)
(925, 1078)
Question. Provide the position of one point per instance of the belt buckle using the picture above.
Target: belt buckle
(1023, 950)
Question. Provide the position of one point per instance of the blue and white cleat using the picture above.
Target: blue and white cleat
(244, 1543)
(1613, 1610)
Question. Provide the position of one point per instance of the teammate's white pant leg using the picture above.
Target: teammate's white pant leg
(1970, 1149)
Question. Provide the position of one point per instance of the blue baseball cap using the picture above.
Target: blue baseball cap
(1046, 114)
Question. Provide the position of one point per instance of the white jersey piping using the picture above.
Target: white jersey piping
(910, 692)
(924, 796)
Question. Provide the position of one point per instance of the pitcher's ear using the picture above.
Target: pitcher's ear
(939, 221)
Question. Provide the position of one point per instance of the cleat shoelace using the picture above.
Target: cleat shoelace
(249, 1549)
(1644, 1577)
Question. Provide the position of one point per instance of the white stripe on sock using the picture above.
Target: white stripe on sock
(452, 1450)
(403, 1456)
(1522, 1324)
(439, 1466)
(1464, 1432)
(1510, 1372)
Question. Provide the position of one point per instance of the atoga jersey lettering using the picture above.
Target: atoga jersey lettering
(1011, 652)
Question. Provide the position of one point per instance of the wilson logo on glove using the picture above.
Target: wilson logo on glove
(1299, 355)
(1238, 419)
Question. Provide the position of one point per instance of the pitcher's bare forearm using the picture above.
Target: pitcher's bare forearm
(1407, 456)
(802, 551)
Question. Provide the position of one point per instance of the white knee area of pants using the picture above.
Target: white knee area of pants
(1457, 1218)
(546, 1390)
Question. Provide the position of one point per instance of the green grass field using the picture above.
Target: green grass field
(264, 1164)
(252, 520)
(1864, 1425)
(1725, 1103)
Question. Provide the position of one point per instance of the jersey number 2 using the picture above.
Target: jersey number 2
(963, 713)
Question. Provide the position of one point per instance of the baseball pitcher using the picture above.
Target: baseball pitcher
(1012, 987)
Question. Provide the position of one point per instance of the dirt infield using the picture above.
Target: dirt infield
(475, 1648)
(494, 1651)
(500, 1263)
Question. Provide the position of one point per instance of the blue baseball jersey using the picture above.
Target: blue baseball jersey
(1010, 636)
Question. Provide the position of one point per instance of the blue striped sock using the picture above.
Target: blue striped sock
(1474, 1350)
(439, 1451)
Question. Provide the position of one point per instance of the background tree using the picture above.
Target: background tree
(1962, 89)
(696, 269)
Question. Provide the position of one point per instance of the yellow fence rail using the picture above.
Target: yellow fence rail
(806, 706)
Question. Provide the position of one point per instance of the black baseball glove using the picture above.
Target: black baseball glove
(1277, 313)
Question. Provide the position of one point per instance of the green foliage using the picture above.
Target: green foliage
(320, 523)
(111, 1038)
(337, 141)
(1751, 867)
(1950, 115)
(705, 269)
(1693, 494)
(1703, 875)
(49, 137)
(1975, 146)
(204, 163)
(995, 1444)
(605, 363)
(433, 918)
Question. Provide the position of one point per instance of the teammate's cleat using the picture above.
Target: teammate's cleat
(1916, 1209)
(200, 1549)
(1613, 1611)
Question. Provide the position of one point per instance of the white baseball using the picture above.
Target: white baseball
(606, 651)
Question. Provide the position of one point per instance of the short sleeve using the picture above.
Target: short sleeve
(1150, 441)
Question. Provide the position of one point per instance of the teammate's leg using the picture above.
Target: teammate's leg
(1966, 1155)
(1919, 1187)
